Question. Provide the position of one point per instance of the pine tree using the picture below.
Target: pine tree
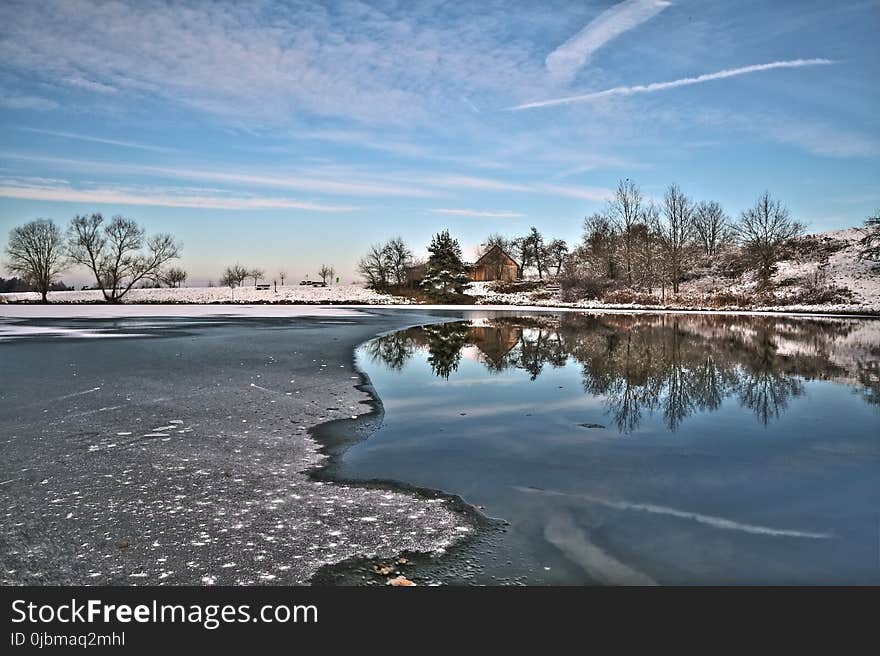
(445, 272)
(871, 238)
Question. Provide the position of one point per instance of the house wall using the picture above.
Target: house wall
(484, 272)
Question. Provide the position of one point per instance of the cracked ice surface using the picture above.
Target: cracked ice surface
(181, 458)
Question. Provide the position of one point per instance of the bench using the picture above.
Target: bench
(263, 287)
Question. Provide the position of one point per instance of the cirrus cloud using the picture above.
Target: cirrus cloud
(489, 214)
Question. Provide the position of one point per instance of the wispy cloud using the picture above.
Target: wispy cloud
(102, 140)
(477, 183)
(823, 139)
(815, 136)
(470, 183)
(363, 139)
(682, 82)
(272, 63)
(382, 142)
(24, 101)
(564, 62)
(391, 185)
(595, 194)
(89, 85)
(311, 184)
(160, 197)
(491, 214)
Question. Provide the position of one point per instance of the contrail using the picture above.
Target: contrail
(683, 82)
(572, 55)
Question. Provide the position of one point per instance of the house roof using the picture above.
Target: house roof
(492, 250)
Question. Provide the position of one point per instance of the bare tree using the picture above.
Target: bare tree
(676, 230)
(649, 245)
(556, 252)
(398, 258)
(386, 264)
(118, 253)
(520, 250)
(372, 267)
(282, 275)
(233, 276)
(711, 226)
(36, 253)
(625, 211)
(763, 231)
(257, 274)
(174, 277)
(326, 272)
(600, 245)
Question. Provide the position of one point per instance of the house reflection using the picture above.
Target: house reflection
(672, 365)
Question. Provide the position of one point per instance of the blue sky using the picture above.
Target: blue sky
(288, 134)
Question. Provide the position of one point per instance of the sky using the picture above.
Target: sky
(287, 135)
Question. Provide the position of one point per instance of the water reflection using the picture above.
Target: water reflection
(673, 366)
(750, 451)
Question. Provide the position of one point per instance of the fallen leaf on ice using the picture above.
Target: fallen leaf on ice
(400, 581)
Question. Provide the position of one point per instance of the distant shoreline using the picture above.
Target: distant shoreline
(508, 307)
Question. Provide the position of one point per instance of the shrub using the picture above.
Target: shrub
(731, 263)
(626, 295)
(731, 299)
(819, 295)
(542, 295)
(790, 282)
(582, 286)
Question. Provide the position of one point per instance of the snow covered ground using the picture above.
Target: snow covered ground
(347, 294)
(130, 310)
(843, 270)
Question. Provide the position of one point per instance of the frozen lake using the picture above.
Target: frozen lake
(670, 449)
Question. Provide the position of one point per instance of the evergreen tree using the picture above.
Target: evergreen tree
(871, 238)
(445, 272)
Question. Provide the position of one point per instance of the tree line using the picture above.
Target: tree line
(235, 275)
(643, 244)
(635, 242)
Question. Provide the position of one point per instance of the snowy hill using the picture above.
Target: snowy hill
(823, 273)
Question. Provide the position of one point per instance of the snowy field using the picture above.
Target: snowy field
(347, 294)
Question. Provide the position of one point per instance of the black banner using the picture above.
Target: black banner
(123, 619)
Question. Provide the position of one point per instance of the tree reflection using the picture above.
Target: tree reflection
(394, 349)
(665, 364)
(444, 342)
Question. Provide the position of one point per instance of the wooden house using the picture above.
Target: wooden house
(495, 264)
